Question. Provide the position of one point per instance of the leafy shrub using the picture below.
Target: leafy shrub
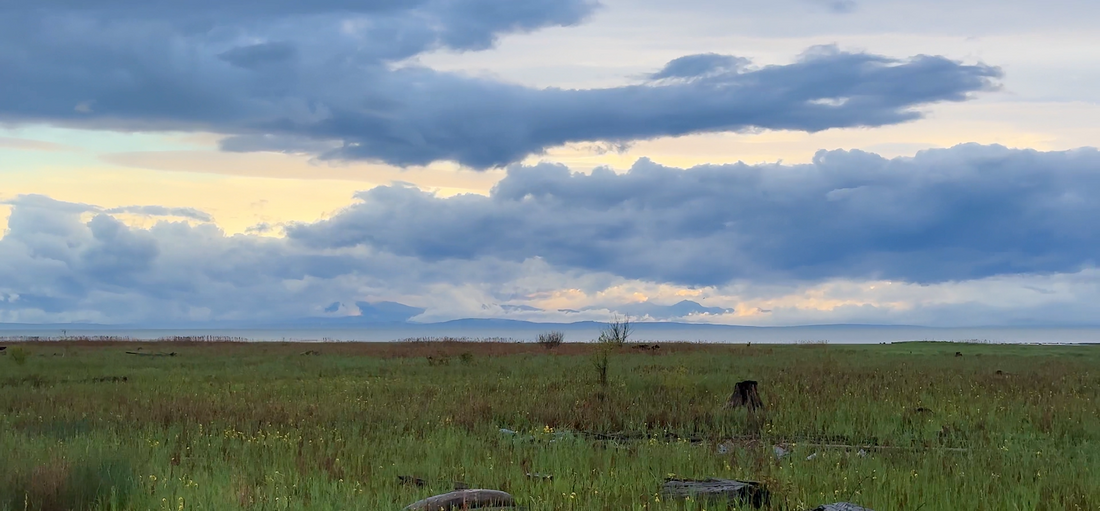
(551, 340)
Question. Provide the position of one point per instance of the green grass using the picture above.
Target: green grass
(226, 426)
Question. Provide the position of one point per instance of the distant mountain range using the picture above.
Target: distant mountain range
(465, 324)
(396, 315)
(487, 324)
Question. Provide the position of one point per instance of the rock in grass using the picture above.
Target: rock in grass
(735, 492)
(840, 506)
(464, 499)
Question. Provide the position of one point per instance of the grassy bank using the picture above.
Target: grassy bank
(223, 426)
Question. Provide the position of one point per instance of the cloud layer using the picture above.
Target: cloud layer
(953, 214)
(333, 78)
(72, 262)
(978, 232)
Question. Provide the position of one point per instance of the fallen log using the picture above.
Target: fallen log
(734, 492)
(463, 499)
(880, 447)
(110, 379)
(749, 441)
(172, 354)
(840, 506)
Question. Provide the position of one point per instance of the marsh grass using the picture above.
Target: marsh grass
(227, 426)
(601, 362)
(57, 483)
(18, 355)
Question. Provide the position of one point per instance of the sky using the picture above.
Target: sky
(739, 162)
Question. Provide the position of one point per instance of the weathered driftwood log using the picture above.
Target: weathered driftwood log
(744, 394)
(840, 506)
(463, 499)
(110, 379)
(738, 492)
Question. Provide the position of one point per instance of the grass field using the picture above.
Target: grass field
(226, 426)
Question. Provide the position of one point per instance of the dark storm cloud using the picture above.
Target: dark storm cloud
(176, 65)
(321, 77)
(430, 116)
(952, 214)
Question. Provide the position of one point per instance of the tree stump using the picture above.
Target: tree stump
(463, 499)
(744, 394)
(717, 490)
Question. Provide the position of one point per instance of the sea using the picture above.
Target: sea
(581, 332)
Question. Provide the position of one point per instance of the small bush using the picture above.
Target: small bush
(18, 355)
(616, 332)
(466, 357)
(551, 340)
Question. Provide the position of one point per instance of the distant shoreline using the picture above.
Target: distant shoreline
(643, 332)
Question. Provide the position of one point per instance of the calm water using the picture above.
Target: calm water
(580, 333)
